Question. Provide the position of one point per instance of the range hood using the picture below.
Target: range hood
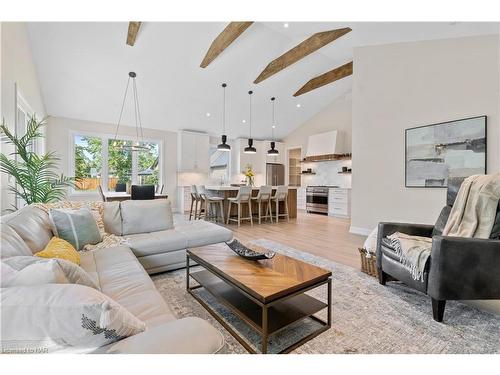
(325, 146)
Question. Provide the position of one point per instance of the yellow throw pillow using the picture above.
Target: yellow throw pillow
(59, 248)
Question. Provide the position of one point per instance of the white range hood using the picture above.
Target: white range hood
(327, 143)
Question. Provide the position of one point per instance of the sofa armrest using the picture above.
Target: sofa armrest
(386, 229)
(464, 268)
(184, 336)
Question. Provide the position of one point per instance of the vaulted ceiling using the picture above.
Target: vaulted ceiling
(83, 69)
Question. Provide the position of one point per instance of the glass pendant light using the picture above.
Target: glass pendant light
(138, 144)
(224, 146)
(272, 151)
(250, 149)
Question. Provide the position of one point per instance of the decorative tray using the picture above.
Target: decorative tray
(247, 253)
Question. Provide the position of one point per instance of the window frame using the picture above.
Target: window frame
(105, 137)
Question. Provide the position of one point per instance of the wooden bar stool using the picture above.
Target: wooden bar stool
(281, 195)
(195, 200)
(243, 197)
(212, 205)
(264, 196)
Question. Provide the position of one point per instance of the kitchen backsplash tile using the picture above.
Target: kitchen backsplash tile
(327, 173)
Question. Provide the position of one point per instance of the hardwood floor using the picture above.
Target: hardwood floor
(325, 236)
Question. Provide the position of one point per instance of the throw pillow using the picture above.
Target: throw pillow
(146, 216)
(36, 274)
(73, 273)
(59, 248)
(57, 317)
(78, 227)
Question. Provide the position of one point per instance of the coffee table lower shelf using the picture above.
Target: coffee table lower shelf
(267, 319)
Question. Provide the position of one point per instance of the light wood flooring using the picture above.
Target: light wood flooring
(324, 236)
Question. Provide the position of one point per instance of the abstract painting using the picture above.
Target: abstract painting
(449, 149)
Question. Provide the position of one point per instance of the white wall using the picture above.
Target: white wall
(400, 86)
(17, 67)
(58, 136)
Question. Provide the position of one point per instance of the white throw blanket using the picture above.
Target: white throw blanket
(472, 215)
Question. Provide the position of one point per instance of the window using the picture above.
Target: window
(99, 160)
(219, 164)
(88, 162)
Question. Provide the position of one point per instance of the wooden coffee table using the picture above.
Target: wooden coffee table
(268, 295)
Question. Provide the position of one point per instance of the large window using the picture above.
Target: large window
(219, 164)
(100, 160)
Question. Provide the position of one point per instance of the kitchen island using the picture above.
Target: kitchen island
(232, 191)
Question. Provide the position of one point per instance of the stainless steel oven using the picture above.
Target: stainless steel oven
(317, 199)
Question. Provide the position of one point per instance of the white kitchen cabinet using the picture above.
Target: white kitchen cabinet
(339, 202)
(301, 198)
(193, 152)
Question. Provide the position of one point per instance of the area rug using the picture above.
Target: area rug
(367, 317)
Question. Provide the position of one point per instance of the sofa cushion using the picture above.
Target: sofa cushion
(112, 218)
(122, 278)
(33, 225)
(201, 233)
(62, 317)
(142, 216)
(144, 244)
(11, 244)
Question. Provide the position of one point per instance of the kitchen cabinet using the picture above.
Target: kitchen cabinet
(339, 202)
(193, 152)
(301, 198)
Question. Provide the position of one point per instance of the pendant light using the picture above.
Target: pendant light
(224, 146)
(272, 151)
(250, 149)
(138, 144)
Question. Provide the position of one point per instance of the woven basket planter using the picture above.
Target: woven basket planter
(368, 264)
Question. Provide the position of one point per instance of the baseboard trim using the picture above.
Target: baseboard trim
(360, 231)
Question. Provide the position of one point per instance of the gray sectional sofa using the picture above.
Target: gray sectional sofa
(122, 271)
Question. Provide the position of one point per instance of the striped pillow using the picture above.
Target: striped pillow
(78, 227)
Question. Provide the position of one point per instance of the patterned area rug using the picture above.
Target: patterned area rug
(367, 317)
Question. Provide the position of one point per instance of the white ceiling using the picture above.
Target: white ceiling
(83, 69)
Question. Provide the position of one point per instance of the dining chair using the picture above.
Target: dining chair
(264, 197)
(159, 189)
(211, 204)
(121, 188)
(281, 195)
(243, 197)
(99, 188)
(142, 192)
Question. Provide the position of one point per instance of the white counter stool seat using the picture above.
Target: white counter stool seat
(264, 197)
(243, 197)
(213, 206)
(281, 195)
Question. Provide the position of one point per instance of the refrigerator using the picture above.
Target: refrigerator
(275, 174)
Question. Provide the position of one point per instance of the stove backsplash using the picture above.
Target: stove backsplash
(327, 173)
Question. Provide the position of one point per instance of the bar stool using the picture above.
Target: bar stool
(195, 199)
(264, 196)
(281, 195)
(243, 197)
(211, 202)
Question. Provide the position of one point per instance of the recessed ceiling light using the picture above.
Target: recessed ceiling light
(298, 105)
(274, 126)
(285, 25)
(243, 121)
(208, 114)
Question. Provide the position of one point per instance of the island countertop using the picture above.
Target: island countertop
(235, 188)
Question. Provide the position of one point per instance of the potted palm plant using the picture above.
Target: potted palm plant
(35, 176)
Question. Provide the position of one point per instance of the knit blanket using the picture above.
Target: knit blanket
(472, 215)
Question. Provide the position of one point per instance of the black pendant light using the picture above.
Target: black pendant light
(224, 146)
(138, 144)
(250, 149)
(272, 151)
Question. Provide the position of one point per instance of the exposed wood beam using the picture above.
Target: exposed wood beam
(326, 78)
(133, 29)
(223, 40)
(308, 46)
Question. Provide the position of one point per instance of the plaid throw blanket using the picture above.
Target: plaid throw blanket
(472, 215)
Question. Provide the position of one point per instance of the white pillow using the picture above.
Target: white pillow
(62, 317)
(73, 273)
(36, 274)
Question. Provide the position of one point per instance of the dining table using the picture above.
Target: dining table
(118, 196)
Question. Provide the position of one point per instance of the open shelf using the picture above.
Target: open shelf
(345, 172)
(280, 315)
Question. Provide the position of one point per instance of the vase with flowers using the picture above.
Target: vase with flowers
(249, 175)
